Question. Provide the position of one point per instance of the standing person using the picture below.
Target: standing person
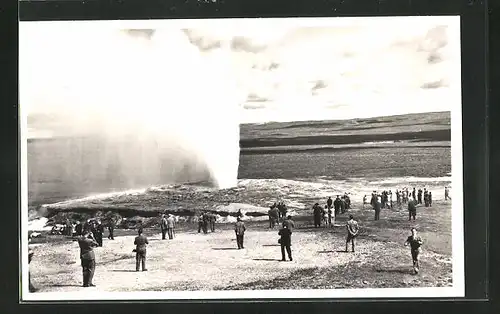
(377, 206)
(239, 229)
(398, 198)
(415, 243)
(163, 225)
(288, 222)
(205, 222)
(352, 232)
(329, 202)
(170, 226)
(79, 228)
(429, 199)
(412, 209)
(200, 222)
(270, 213)
(413, 194)
(426, 198)
(87, 257)
(446, 193)
(140, 242)
(329, 210)
(364, 200)
(337, 205)
(286, 243)
(317, 214)
(419, 196)
(213, 218)
(99, 232)
(69, 228)
(111, 229)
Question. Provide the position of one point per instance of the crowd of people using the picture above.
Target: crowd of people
(90, 233)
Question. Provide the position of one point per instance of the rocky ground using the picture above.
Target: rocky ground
(195, 261)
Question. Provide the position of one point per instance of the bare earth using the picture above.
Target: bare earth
(195, 261)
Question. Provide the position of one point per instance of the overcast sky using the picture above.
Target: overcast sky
(284, 71)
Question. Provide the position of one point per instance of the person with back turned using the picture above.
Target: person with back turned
(285, 242)
(170, 226)
(87, 256)
(111, 229)
(140, 243)
(352, 232)
(377, 206)
(329, 202)
(412, 209)
(163, 225)
(239, 229)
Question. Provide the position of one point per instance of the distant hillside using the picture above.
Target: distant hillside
(435, 126)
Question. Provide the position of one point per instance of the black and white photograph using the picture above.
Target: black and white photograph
(241, 158)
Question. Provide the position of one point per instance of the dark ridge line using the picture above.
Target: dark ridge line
(327, 149)
(435, 135)
(359, 120)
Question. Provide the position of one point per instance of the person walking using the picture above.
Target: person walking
(239, 229)
(285, 242)
(446, 193)
(352, 232)
(415, 243)
(140, 242)
(87, 257)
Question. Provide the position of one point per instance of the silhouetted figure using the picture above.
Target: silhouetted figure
(288, 222)
(429, 197)
(140, 242)
(337, 204)
(79, 228)
(317, 215)
(200, 223)
(377, 207)
(329, 202)
(413, 194)
(111, 229)
(239, 230)
(412, 209)
(163, 225)
(446, 194)
(285, 242)
(99, 233)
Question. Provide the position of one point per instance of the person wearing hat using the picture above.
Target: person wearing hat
(288, 222)
(140, 242)
(239, 229)
(285, 242)
(87, 256)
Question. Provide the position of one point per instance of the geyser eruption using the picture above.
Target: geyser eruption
(136, 107)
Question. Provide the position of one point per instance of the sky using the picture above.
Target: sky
(275, 70)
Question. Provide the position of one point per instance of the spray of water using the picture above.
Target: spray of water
(150, 106)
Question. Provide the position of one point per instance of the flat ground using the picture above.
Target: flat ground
(195, 261)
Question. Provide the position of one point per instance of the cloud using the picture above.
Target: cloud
(144, 33)
(240, 43)
(434, 84)
(252, 97)
(204, 43)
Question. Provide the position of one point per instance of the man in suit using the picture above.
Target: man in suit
(286, 242)
(239, 229)
(140, 243)
(163, 225)
(170, 226)
(87, 256)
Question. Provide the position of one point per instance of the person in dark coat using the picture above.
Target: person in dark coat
(419, 196)
(99, 232)
(377, 207)
(285, 242)
(329, 202)
(163, 225)
(429, 198)
(79, 228)
(412, 209)
(239, 230)
(200, 222)
(111, 229)
(413, 194)
(205, 222)
(140, 242)
(337, 204)
(288, 222)
(87, 242)
(317, 215)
